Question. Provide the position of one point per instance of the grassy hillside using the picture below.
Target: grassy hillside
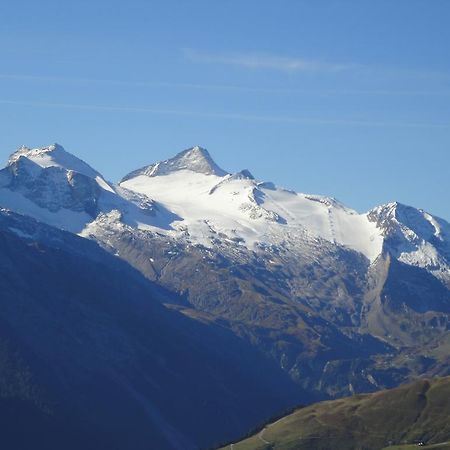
(441, 446)
(418, 412)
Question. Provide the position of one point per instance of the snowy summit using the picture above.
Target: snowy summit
(53, 156)
(195, 159)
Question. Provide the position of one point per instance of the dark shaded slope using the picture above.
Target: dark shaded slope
(89, 359)
(415, 288)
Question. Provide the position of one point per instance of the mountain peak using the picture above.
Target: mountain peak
(393, 211)
(196, 159)
(53, 155)
(197, 150)
(397, 219)
(32, 153)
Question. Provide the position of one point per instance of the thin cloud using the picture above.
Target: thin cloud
(231, 116)
(304, 65)
(221, 87)
(256, 61)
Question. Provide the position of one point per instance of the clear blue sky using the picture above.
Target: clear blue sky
(344, 98)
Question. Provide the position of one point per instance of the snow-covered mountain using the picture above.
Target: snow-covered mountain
(212, 204)
(306, 279)
(415, 237)
(190, 195)
(55, 187)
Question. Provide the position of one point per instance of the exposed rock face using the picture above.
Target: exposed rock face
(52, 188)
(195, 159)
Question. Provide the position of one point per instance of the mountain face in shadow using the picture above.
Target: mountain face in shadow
(90, 358)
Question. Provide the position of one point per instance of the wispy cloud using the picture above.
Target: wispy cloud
(296, 120)
(305, 65)
(260, 61)
(222, 87)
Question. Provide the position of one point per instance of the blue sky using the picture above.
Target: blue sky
(344, 98)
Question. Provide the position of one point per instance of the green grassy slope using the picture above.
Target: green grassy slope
(388, 419)
(441, 446)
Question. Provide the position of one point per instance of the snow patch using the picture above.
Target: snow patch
(64, 219)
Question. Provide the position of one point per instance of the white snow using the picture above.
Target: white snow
(438, 232)
(420, 239)
(54, 156)
(241, 208)
(132, 208)
(103, 184)
(64, 219)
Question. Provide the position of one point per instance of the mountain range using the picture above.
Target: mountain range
(331, 301)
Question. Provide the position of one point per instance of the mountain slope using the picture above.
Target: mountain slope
(413, 413)
(316, 284)
(90, 358)
(342, 302)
